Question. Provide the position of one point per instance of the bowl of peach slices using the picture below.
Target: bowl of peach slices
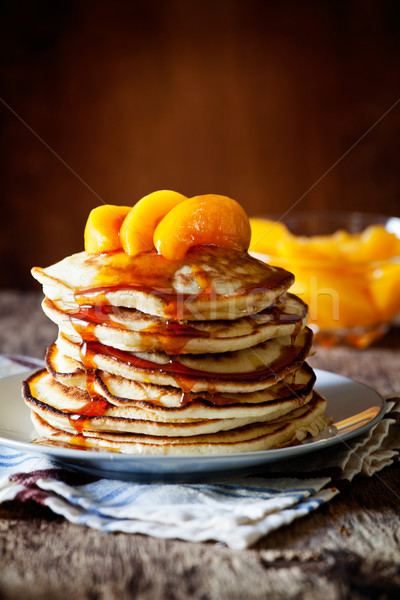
(347, 269)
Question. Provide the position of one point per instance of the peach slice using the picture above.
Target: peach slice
(267, 236)
(209, 219)
(102, 228)
(138, 227)
(375, 244)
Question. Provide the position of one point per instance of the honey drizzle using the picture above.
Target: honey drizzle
(186, 377)
(97, 405)
(172, 335)
(153, 274)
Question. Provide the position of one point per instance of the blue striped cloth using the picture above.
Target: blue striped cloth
(236, 512)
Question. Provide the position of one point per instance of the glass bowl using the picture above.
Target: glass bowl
(347, 269)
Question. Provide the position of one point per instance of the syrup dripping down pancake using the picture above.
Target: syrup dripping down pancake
(210, 283)
(133, 331)
(67, 408)
(242, 371)
(204, 355)
(124, 392)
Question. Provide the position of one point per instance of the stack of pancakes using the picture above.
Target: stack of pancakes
(205, 355)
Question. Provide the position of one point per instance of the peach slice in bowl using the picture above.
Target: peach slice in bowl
(347, 269)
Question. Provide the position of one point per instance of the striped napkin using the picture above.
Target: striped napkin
(236, 512)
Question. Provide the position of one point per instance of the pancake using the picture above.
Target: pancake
(65, 408)
(134, 331)
(122, 392)
(203, 355)
(296, 425)
(209, 283)
(241, 371)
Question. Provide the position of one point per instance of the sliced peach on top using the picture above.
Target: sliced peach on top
(102, 228)
(209, 219)
(138, 227)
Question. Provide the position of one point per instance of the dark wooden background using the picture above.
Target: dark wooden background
(109, 100)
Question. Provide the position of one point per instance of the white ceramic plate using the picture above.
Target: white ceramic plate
(354, 407)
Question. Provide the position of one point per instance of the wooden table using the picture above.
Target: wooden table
(347, 548)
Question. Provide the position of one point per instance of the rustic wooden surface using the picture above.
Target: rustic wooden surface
(346, 549)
